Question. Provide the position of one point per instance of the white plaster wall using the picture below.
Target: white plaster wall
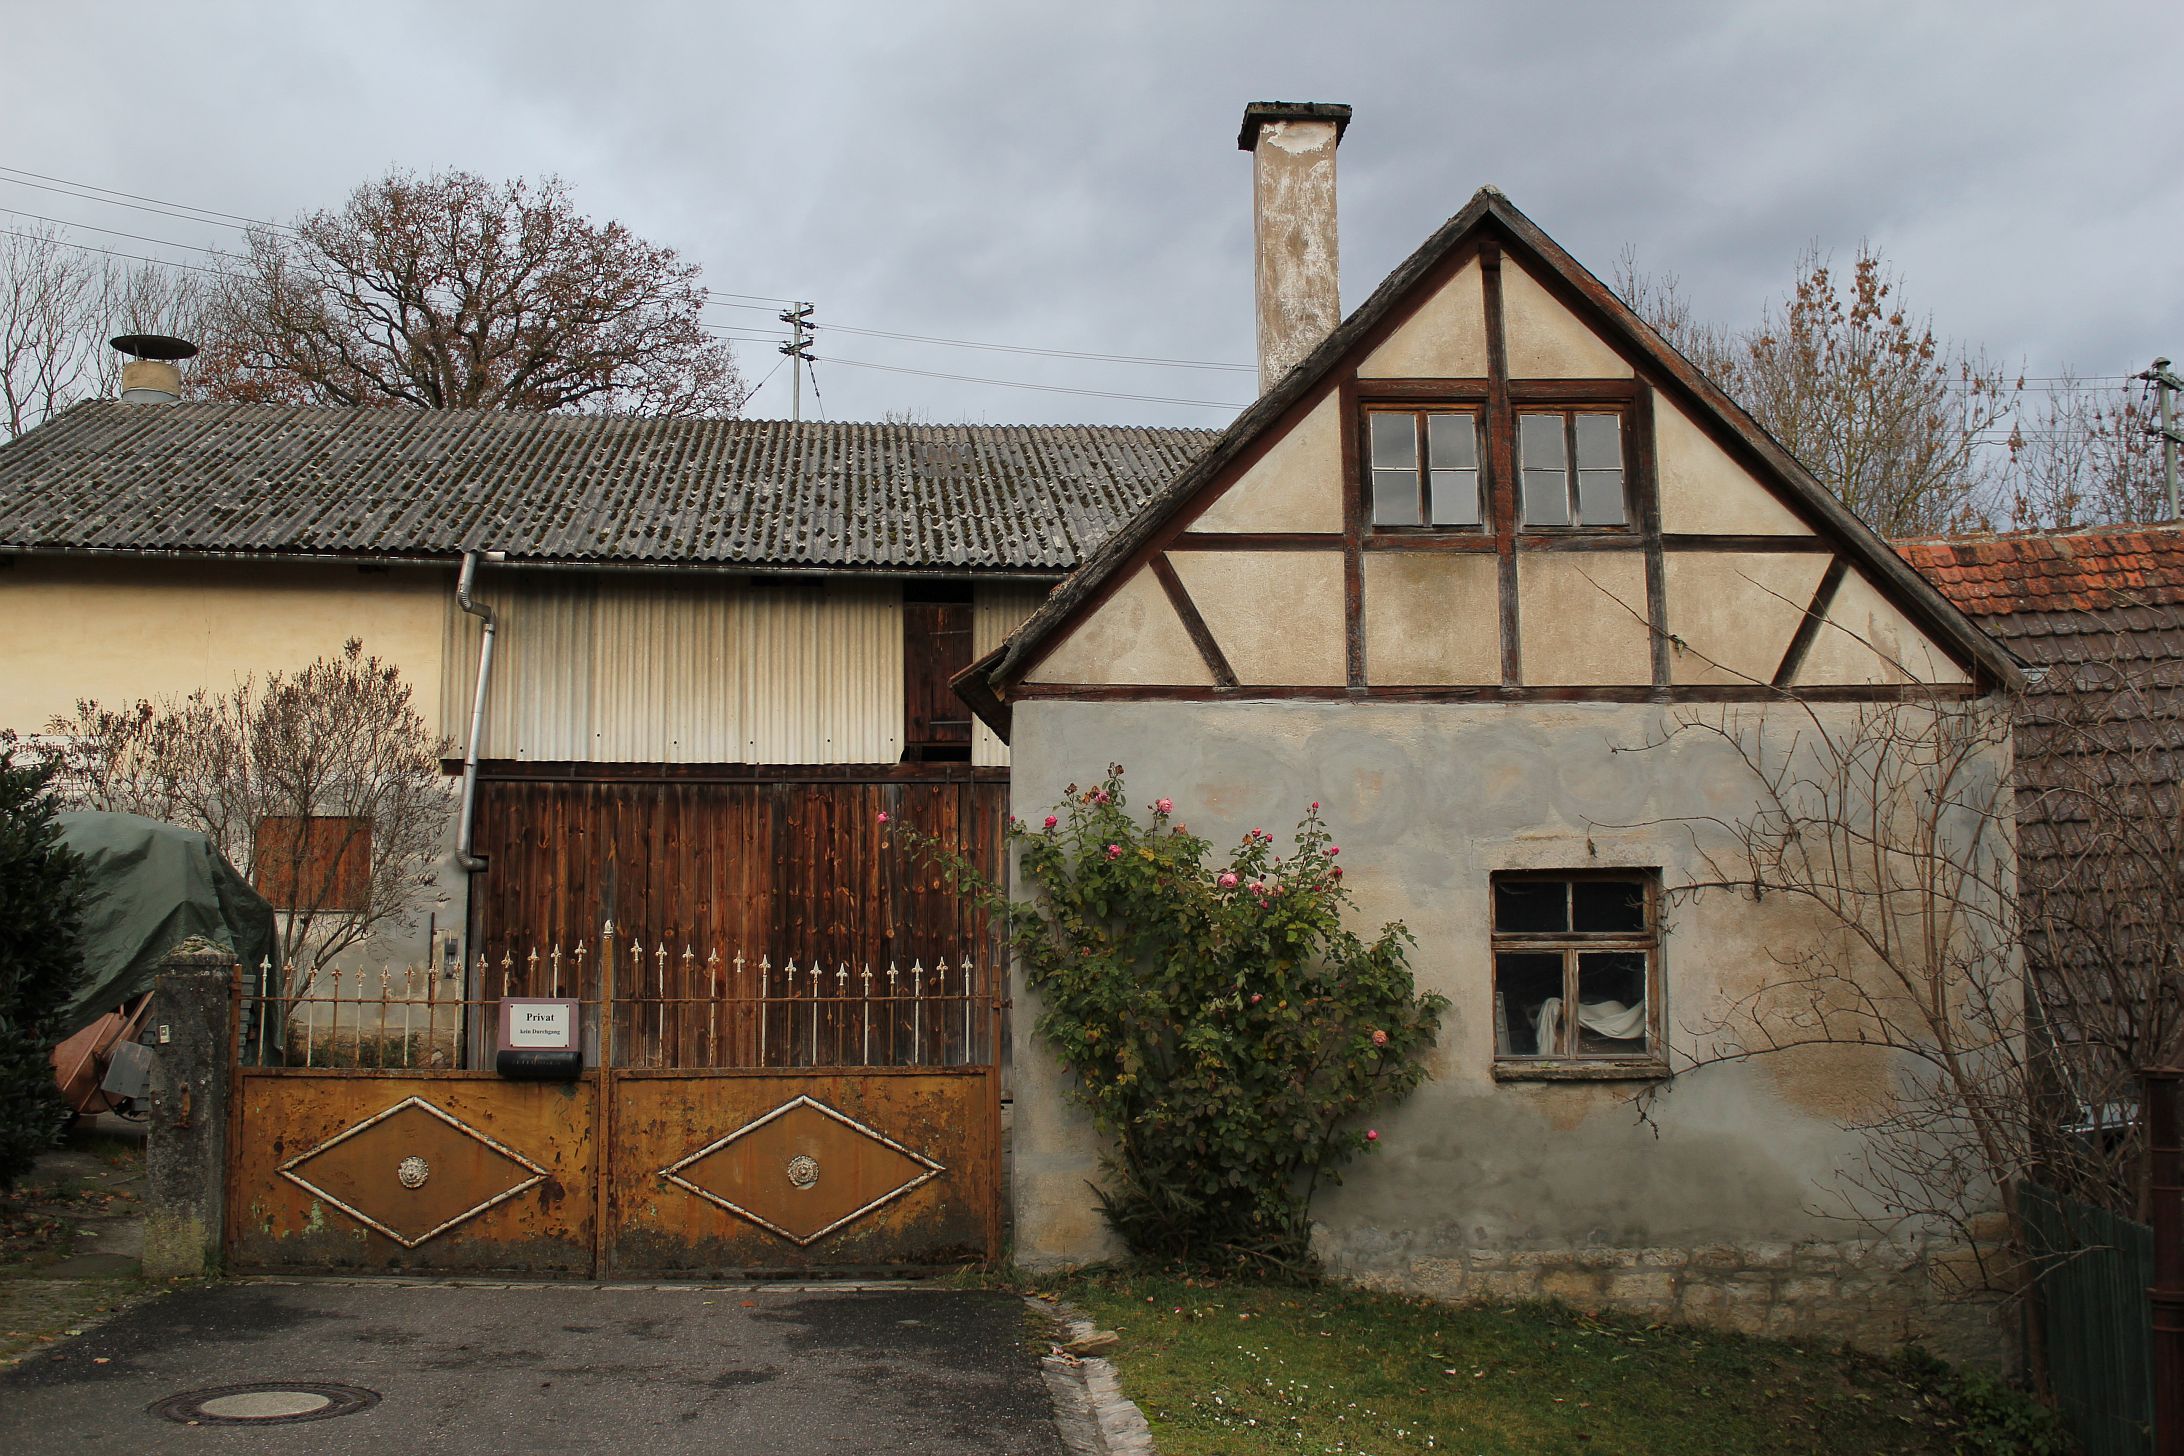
(1432, 618)
(1544, 340)
(1703, 491)
(1134, 637)
(1295, 486)
(1444, 339)
(1427, 802)
(1581, 618)
(1276, 615)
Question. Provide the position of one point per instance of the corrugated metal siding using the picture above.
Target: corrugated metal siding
(643, 670)
(997, 609)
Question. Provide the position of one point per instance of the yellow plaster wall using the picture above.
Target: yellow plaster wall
(121, 630)
(1581, 617)
(1444, 339)
(1277, 615)
(1704, 491)
(1134, 637)
(1866, 640)
(1545, 340)
(1432, 618)
(1735, 612)
(1295, 486)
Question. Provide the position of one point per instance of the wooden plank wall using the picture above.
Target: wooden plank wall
(776, 868)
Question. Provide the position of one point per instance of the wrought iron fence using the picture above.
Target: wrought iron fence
(670, 1007)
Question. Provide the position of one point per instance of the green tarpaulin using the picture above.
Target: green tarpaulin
(151, 886)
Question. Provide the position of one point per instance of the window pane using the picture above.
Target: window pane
(1395, 498)
(1608, 905)
(1600, 497)
(1531, 906)
(1546, 498)
(1455, 497)
(1527, 1000)
(1599, 442)
(1395, 442)
(1611, 1002)
(1452, 442)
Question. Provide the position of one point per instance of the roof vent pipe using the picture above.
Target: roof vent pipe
(152, 375)
(1294, 266)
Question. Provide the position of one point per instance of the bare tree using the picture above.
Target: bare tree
(323, 787)
(2086, 458)
(449, 291)
(59, 304)
(1905, 428)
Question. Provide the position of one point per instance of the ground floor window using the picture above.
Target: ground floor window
(1577, 961)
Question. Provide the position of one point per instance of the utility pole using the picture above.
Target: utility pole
(798, 349)
(2166, 382)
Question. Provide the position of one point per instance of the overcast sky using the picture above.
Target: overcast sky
(1066, 177)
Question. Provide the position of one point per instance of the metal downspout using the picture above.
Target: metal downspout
(464, 859)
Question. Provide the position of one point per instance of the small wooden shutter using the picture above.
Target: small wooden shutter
(936, 646)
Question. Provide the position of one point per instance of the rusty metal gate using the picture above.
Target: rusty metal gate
(735, 1115)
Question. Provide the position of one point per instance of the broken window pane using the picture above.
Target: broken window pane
(1611, 1002)
(1531, 906)
(1527, 987)
(1608, 905)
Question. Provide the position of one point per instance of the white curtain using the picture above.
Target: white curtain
(1611, 1019)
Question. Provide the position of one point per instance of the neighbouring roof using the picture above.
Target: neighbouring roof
(1490, 211)
(2033, 572)
(400, 483)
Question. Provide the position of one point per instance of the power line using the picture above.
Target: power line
(1043, 388)
(194, 215)
(109, 252)
(117, 233)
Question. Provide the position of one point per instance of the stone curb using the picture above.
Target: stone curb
(1094, 1416)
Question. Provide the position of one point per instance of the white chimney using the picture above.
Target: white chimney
(1295, 265)
(152, 375)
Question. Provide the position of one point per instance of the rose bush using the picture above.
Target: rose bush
(1224, 1027)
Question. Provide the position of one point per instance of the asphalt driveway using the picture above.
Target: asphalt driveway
(554, 1368)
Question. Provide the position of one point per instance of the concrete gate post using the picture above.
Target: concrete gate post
(185, 1169)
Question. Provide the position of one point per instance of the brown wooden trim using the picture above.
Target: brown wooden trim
(1501, 456)
(1577, 538)
(1193, 622)
(1258, 541)
(1701, 541)
(1353, 532)
(1427, 540)
(1410, 391)
(1645, 499)
(1823, 597)
(1575, 391)
(1490, 693)
(503, 770)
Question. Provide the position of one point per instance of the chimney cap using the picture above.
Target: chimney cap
(1258, 113)
(154, 346)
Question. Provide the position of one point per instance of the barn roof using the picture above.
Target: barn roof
(207, 479)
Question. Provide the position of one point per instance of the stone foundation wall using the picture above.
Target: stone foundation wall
(1875, 1297)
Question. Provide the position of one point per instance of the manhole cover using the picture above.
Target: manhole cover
(266, 1403)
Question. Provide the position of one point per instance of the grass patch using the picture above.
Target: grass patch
(1225, 1369)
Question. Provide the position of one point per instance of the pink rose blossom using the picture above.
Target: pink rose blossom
(1372, 1134)
(1334, 849)
(1114, 851)
(1380, 1038)
(1256, 998)
(1228, 881)
(1258, 887)
(1100, 797)
(883, 816)
(1165, 806)
(1338, 872)
(1315, 806)
(1051, 821)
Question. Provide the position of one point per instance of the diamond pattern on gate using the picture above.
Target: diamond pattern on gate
(412, 1172)
(765, 1171)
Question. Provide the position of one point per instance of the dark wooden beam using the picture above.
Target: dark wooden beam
(1193, 623)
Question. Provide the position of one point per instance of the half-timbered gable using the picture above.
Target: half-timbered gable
(1493, 482)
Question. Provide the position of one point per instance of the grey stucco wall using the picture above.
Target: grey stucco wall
(1510, 1187)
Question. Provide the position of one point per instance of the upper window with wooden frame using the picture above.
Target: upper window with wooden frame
(1423, 465)
(1573, 471)
(1585, 940)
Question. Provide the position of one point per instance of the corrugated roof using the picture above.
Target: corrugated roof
(578, 488)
